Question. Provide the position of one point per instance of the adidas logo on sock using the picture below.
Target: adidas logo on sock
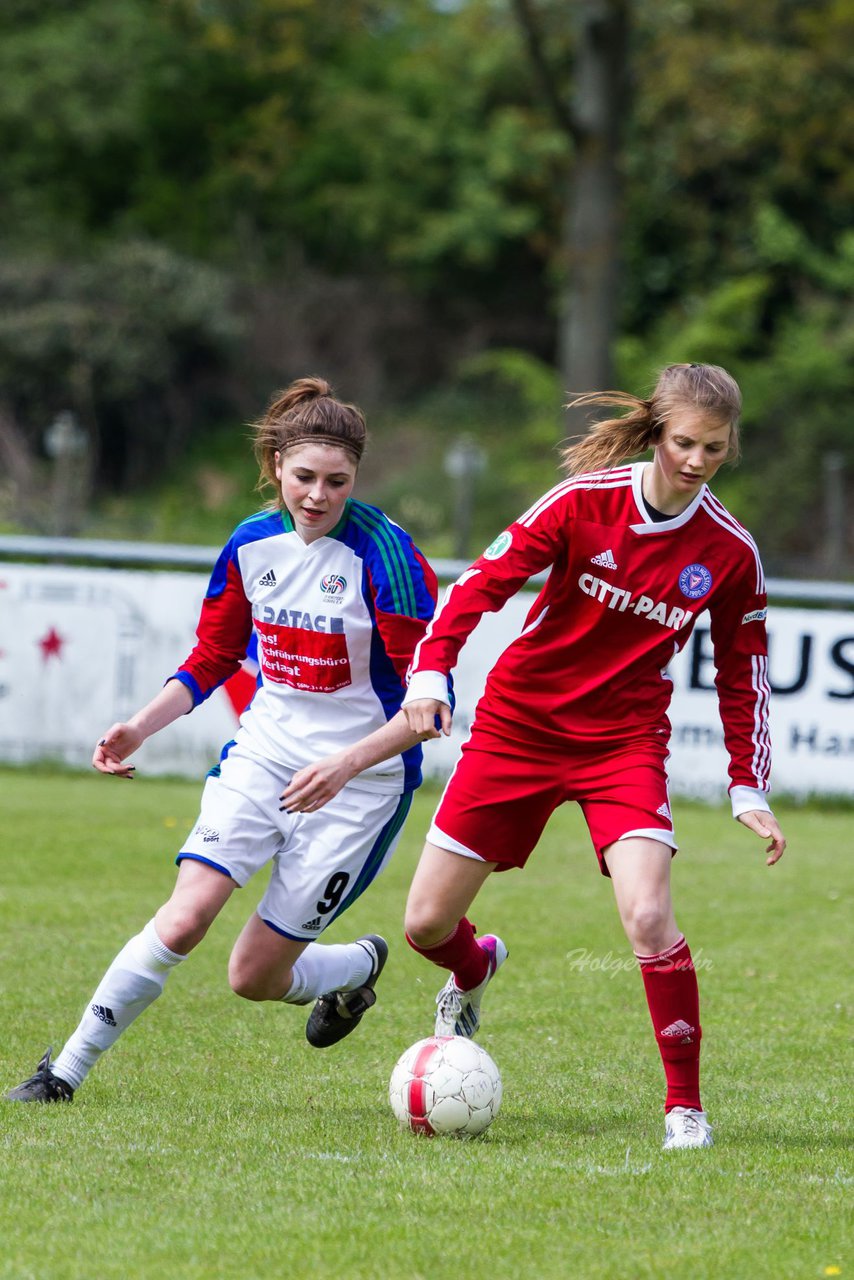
(106, 1015)
(269, 579)
(605, 560)
(682, 1029)
(663, 811)
(311, 926)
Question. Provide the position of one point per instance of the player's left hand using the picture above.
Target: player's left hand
(315, 785)
(766, 826)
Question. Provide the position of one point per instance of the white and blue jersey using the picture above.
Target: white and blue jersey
(336, 623)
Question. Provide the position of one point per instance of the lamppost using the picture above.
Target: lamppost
(833, 466)
(67, 446)
(464, 462)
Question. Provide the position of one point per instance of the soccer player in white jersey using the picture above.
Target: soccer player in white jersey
(576, 707)
(337, 596)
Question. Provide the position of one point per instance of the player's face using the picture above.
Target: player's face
(316, 480)
(690, 451)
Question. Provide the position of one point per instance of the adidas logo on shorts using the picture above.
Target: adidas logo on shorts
(605, 560)
(269, 579)
(311, 926)
(663, 811)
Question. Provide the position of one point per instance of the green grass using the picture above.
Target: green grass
(213, 1142)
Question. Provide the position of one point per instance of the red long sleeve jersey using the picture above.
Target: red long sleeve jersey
(621, 599)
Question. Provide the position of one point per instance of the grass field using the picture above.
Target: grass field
(214, 1142)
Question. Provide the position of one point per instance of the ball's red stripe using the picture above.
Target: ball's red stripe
(417, 1107)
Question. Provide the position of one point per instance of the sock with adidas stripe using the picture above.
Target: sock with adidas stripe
(133, 982)
(325, 967)
(672, 994)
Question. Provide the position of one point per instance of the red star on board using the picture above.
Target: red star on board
(51, 644)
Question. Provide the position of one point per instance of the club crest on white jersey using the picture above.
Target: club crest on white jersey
(333, 585)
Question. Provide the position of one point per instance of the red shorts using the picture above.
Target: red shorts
(501, 795)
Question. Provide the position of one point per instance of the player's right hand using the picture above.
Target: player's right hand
(421, 716)
(115, 746)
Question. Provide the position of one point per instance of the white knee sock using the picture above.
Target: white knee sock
(325, 967)
(133, 981)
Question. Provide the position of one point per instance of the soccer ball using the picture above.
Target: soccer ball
(445, 1085)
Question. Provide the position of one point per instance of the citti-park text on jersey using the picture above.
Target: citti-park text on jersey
(643, 606)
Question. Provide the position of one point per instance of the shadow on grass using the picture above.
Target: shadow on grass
(770, 1136)
(547, 1124)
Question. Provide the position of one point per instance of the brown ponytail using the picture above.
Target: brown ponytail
(679, 387)
(306, 412)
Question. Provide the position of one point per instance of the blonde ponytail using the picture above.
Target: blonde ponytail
(608, 442)
(679, 387)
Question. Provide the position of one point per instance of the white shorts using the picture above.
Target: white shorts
(322, 861)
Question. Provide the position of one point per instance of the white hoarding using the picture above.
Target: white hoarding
(811, 662)
(82, 648)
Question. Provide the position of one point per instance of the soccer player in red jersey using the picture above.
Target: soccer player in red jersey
(576, 707)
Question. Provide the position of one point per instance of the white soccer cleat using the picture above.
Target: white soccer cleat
(686, 1127)
(458, 1012)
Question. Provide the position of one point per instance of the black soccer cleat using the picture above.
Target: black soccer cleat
(338, 1013)
(43, 1086)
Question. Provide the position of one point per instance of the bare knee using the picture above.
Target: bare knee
(650, 926)
(182, 924)
(426, 924)
(199, 894)
(246, 988)
(250, 983)
(443, 888)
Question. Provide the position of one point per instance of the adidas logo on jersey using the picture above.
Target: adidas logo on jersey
(106, 1015)
(269, 579)
(605, 560)
(311, 926)
(663, 811)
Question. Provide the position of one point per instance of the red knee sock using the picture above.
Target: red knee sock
(460, 953)
(674, 1005)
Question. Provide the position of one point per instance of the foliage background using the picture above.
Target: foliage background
(202, 199)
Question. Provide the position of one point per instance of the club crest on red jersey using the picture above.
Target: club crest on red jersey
(695, 581)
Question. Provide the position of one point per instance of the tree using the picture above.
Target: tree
(396, 186)
(590, 116)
